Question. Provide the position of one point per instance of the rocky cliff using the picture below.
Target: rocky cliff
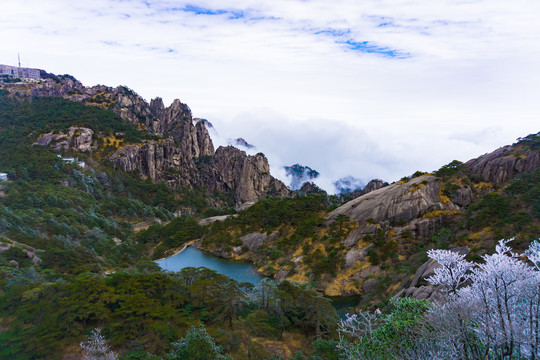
(503, 164)
(182, 155)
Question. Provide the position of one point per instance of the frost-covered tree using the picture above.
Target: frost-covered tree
(454, 270)
(497, 314)
(96, 348)
(491, 311)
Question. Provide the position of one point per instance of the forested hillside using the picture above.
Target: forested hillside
(71, 262)
(93, 196)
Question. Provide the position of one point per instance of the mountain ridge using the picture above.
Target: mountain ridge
(187, 159)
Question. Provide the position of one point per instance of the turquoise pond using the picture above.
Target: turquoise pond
(193, 257)
(237, 270)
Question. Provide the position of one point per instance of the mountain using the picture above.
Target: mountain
(181, 154)
(348, 184)
(240, 142)
(299, 175)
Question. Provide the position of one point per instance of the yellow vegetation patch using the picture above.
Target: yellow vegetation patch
(291, 343)
(320, 247)
(392, 288)
(335, 286)
(437, 213)
(299, 277)
(112, 140)
(421, 185)
(480, 235)
(297, 253)
(443, 198)
(484, 186)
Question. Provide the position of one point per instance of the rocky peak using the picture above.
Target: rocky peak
(503, 164)
(299, 175)
(247, 175)
(157, 106)
(311, 188)
(372, 185)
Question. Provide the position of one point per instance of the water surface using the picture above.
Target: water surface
(192, 257)
(239, 271)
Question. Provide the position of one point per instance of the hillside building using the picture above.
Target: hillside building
(15, 72)
(3, 176)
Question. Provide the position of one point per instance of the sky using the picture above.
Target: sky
(369, 89)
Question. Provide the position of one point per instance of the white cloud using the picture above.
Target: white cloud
(290, 68)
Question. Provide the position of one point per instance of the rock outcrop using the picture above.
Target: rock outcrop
(400, 202)
(247, 176)
(419, 288)
(415, 206)
(502, 164)
(311, 188)
(78, 138)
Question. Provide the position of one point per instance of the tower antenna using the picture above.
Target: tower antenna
(19, 57)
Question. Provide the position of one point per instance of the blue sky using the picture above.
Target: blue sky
(372, 88)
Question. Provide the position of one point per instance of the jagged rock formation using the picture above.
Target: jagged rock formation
(247, 176)
(311, 188)
(185, 155)
(242, 143)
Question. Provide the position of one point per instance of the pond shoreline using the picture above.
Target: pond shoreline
(241, 271)
(178, 250)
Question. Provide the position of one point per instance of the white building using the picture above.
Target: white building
(3, 176)
(14, 72)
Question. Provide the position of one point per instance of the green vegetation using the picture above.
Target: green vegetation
(510, 211)
(449, 169)
(74, 262)
(147, 310)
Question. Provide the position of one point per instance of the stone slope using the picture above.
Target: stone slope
(397, 202)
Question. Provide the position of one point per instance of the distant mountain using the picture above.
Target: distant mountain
(299, 175)
(240, 142)
(348, 184)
